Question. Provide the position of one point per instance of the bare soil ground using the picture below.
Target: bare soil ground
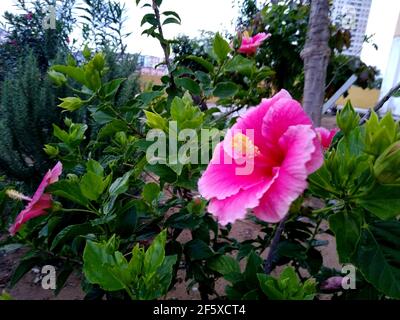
(29, 287)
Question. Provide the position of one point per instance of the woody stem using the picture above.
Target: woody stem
(269, 262)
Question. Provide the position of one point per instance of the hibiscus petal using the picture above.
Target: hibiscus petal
(32, 210)
(233, 208)
(326, 136)
(297, 144)
(50, 177)
(317, 158)
(280, 116)
(260, 37)
(253, 119)
(55, 172)
(221, 179)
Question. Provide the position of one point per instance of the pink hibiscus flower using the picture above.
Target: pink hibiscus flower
(283, 149)
(250, 45)
(326, 136)
(40, 201)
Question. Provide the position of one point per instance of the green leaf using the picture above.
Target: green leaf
(347, 229)
(287, 286)
(73, 72)
(57, 78)
(109, 89)
(5, 296)
(165, 173)
(204, 63)
(86, 52)
(165, 274)
(383, 201)
(183, 220)
(99, 266)
(111, 128)
(224, 265)
(198, 250)
(172, 13)
(147, 97)
(396, 94)
(225, 90)
(95, 167)
(188, 84)
(70, 233)
(136, 262)
(221, 47)
(120, 185)
(185, 114)
(149, 18)
(203, 77)
(60, 134)
(99, 61)
(253, 266)
(155, 254)
(171, 20)
(92, 185)
(269, 287)
(240, 64)
(69, 189)
(92, 76)
(378, 258)
(155, 121)
(291, 249)
(151, 192)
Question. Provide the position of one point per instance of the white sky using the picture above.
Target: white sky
(217, 15)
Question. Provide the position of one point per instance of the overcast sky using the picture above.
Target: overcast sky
(217, 15)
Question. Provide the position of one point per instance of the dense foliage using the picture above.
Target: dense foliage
(28, 99)
(120, 217)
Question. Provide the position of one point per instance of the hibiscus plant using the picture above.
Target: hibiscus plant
(157, 185)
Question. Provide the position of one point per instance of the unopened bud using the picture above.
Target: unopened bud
(57, 78)
(386, 168)
(332, 284)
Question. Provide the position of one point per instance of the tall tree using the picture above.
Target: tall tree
(316, 55)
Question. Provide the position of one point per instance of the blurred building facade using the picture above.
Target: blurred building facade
(151, 65)
(352, 15)
(3, 35)
(392, 75)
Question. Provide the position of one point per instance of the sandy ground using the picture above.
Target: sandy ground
(29, 287)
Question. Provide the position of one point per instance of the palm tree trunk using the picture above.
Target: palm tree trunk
(316, 55)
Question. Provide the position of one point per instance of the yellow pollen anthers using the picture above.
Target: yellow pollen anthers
(242, 145)
(13, 194)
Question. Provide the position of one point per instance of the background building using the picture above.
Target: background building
(392, 75)
(352, 15)
(3, 35)
(151, 65)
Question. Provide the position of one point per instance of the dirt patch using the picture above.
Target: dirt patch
(29, 287)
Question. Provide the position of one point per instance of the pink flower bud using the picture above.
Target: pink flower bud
(332, 284)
